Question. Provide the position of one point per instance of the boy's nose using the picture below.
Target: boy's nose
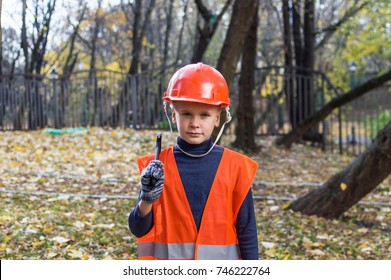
(194, 122)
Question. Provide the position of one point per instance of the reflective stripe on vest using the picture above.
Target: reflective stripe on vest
(174, 234)
(186, 251)
(218, 252)
(167, 251)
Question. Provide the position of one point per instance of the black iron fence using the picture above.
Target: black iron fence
(282, 98)
(99, 98)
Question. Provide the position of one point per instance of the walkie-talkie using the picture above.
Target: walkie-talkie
(158, 148)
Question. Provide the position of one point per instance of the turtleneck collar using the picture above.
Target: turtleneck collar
(195, 148)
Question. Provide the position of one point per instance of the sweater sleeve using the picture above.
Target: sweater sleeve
(246, 229)
(139, 225)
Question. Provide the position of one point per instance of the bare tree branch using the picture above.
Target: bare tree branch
(330, 30)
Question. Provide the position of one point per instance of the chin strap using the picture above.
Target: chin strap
(165, 112)
(229, 118)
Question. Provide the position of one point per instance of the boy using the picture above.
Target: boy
(196, 201)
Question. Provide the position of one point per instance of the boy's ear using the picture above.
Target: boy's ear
(173, 117)
(218, 119)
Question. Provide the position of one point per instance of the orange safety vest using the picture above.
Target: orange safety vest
(174, 234)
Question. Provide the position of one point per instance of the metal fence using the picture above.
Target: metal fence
(99, 98)
(354, 126)
(281, 99)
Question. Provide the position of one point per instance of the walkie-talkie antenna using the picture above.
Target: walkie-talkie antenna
(158, 146)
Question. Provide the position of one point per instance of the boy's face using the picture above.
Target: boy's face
(195, 121)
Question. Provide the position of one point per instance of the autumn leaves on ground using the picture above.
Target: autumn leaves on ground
(67, 194)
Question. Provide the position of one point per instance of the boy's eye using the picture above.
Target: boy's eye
(205, 115)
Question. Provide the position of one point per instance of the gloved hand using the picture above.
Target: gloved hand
(152, 180)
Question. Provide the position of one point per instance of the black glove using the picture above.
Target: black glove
(152, 181)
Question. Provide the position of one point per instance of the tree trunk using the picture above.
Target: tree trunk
(91, 105)
(139, 33)
(327, 109)
(288, 55)
(308, 94)
(1, 41)
(309, 37)
(167, 37)
(71, 58)
(245, 111)
(205, 34)
(241, 20)
(2, 105)
(24, 43)
(297, 33)
(346, 188)
(179, 47)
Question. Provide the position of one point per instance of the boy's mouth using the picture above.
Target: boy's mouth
(194, 134)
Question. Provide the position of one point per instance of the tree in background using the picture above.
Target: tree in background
(364, 174)
(365, 40)
(140, 23)
(205, 33)
(72, 57)
(34, 45)
(241, 21)
(34, 42)
(346, 188)
(302, 37)
(1, 42)
(245, 131)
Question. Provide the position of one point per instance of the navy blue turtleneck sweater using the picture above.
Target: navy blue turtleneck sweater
(197, 175)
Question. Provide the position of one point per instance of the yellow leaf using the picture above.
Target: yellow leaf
(271, 252)
(47, 230)
(38, 155)
(286, 206)
(88, 232)
(345, 159)
(4, 219)
(20, 148)
(8, 238)
(38, 244)
(343, 186)
(317, 252)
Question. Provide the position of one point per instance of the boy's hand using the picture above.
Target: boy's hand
(152, 180)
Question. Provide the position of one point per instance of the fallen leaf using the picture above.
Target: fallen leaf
(51, 255)
(60, 239)
(79, 225)
(268, 245)
(76, 254)
(317, 252)
(106, 226)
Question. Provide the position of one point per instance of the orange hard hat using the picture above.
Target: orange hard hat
(198, 83)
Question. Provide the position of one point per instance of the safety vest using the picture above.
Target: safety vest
(174, 234)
